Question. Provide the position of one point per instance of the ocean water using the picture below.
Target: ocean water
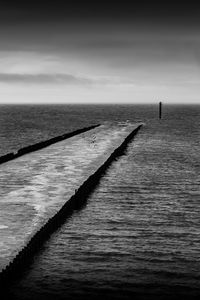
(139, 233)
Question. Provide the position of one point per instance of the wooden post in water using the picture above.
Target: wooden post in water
(160, 110)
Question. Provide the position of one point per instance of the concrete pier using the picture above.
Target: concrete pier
(26, 253)
(43, 144)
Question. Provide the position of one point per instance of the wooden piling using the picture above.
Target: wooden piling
(160, 110)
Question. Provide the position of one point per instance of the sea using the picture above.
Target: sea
(138, 235)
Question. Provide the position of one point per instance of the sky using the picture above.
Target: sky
(99, 52)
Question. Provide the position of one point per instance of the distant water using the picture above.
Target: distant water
(139, 233)
(22, 125)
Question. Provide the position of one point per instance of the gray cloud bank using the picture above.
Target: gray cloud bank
(44, 78)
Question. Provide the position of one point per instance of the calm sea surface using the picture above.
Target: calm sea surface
(139, 233)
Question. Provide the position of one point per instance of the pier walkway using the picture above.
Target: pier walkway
(35, 186)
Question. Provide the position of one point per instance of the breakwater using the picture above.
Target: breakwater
(43, 144)
(24, 257)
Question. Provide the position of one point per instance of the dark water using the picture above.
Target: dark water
(139, 234)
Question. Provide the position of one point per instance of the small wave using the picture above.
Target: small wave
(3, 226)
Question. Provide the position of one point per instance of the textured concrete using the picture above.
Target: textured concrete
(26, 253)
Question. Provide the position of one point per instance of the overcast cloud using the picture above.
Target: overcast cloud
(149, 49)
